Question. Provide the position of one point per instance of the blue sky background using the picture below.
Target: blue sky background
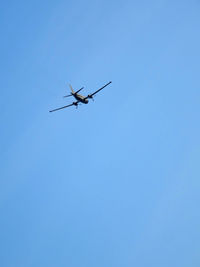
(114, 183)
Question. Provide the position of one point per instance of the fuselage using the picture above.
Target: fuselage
(80, 98)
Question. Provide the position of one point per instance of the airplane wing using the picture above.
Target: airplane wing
(73, 104)
(91, 95)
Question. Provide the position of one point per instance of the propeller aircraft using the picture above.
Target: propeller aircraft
(80, 98)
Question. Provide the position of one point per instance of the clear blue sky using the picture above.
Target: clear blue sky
(116, 182)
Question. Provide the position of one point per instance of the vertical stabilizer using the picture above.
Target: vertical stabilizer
(71, 89)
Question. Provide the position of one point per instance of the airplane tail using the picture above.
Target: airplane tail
(71, 89)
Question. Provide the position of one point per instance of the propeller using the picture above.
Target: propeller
(91, 97)
(75, 104)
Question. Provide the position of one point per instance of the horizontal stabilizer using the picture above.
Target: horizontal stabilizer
(79, 90)
(67, 95)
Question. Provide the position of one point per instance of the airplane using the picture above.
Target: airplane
(80, 98)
